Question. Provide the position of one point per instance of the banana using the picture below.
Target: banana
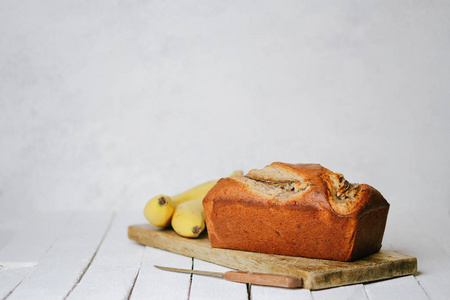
(198, 192)
(188, 220)
(159, 209)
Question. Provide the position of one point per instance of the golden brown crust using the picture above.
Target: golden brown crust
(296, 209)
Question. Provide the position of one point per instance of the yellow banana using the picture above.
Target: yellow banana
(188, 220)
(198, 192)
(159, 209)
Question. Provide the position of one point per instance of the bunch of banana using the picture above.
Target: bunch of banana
(183, 211)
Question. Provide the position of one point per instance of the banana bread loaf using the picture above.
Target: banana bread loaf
(297, 210)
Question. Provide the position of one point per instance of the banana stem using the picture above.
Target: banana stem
(162, 201)
(196, 230)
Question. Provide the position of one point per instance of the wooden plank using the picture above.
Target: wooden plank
(397, 289)
(355, 292)
(20, 256)
(11, 276)
(66, 261)
(316, 274)
(40, 232)
(204, 287)
(112, 273)
(351, 292)
(270, 293)
(406, 231)
(152, 283)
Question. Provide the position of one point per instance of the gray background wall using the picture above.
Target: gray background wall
(105, 103)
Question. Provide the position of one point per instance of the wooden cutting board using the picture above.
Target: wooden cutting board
(315, 273)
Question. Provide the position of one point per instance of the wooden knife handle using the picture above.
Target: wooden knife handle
(264, 279)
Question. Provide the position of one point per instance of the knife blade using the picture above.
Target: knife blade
(265, 279)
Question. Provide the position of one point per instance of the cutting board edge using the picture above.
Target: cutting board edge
(199, 249)
(407, 265)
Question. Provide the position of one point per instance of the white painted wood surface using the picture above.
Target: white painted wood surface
(87, 255)
(116, 265)
(19, 257)
(67, 259)
(152, 283)
(203, 287)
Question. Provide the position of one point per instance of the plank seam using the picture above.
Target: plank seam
(418, 282)
(93, 256)
(43, 255)
(137, 275)
(190, 280)
(58, 237)
(424, 291)
(9, 294)
(365, 291)
(413, 275)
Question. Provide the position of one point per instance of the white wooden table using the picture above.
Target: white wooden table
(87, 255)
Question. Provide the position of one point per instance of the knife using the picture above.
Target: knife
(266, 279)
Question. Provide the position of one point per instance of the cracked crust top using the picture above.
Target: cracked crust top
(309, 183)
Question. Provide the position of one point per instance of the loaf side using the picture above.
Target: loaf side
(296, 209)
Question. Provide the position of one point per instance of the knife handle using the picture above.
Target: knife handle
(264, 279)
